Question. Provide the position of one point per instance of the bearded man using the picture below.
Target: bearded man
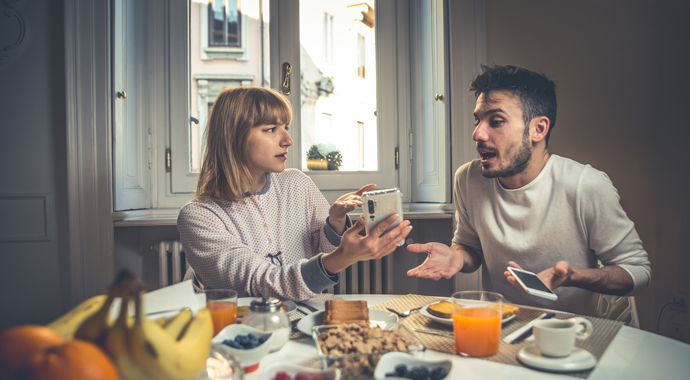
(519, 205)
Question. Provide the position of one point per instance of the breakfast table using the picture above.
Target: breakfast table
(631, 353)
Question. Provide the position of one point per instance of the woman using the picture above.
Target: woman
(254, 223)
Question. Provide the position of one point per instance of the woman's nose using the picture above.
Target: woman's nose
(287, 140)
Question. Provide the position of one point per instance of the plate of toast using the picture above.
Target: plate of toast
(442, 312)
(342, 311)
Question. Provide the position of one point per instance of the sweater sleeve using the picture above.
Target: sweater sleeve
(220, 259)
(612, 235)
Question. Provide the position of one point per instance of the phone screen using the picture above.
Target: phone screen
(531, 281)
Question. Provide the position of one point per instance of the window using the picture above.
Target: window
(224, 23)
(361, 56)
(327, 37)
(219, 29)
(373, 121)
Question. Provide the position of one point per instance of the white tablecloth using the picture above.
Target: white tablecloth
(633, 354)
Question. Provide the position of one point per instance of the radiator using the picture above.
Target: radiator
(172, 264)
(364, 277)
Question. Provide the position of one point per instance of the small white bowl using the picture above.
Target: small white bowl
(251, 357)
(270, 372)
(389, 361)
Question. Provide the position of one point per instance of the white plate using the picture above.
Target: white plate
(389, 361)
(316, 319)
(269, 373)
(449, 321)
(578, 360)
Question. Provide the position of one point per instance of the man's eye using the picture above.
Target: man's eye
(496, 123)
(476, 122)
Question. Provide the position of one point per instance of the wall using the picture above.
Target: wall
(606, 60)
(671, 134)
(34, 247)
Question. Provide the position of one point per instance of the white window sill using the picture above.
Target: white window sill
(168, 217)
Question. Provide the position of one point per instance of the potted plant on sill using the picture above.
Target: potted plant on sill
(324, 157)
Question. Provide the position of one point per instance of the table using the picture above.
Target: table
(633, 354)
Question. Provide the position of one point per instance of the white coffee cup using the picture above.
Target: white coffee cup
(556, 337)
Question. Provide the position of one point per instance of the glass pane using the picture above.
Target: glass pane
(233, 36)
(216, 17)
(338, 126)
(212, 70)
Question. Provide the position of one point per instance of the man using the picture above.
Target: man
(520, 206)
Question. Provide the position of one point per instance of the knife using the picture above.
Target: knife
(525, 331)
(432, 332)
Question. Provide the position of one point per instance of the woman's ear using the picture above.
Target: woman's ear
(541, 128)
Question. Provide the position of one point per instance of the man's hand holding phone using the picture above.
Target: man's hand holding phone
(529, 282)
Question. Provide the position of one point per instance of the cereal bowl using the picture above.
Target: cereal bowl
(388, 363)
(363, 346)
(270, 372)
(249, 358)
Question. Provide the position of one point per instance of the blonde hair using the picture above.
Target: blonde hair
(235, 112)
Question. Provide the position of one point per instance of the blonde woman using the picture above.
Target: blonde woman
(254, 224)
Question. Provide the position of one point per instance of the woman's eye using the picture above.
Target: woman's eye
(271, 130)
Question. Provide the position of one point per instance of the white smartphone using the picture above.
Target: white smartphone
(379, 205)
(532, 284)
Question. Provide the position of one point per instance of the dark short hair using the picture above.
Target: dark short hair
(536, 92)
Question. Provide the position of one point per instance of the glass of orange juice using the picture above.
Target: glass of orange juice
(477, 322)
(223, 306)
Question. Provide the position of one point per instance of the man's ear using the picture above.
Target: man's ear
(540, 128)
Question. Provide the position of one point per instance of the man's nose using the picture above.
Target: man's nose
(479, 133)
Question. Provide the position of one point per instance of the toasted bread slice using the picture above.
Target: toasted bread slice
(342, 311)
(509, 310)
(443, 309)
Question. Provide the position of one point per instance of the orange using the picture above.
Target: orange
(77, 359)
(18, 344)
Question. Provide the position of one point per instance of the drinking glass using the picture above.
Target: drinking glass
(477, 322)
(223, 306)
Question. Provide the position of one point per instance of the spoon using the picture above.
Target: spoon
(404, 313)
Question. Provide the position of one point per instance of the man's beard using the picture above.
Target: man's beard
(518, 163)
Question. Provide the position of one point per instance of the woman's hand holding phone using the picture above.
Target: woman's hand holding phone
(375, 245)
(337, 213)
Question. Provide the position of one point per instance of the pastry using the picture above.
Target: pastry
(443, 309)
(342, 311)
(509, 310)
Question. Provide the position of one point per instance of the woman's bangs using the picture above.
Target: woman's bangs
(273, 111)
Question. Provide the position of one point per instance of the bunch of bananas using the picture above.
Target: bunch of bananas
(170, 349)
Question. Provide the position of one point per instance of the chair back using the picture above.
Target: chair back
(618, 308)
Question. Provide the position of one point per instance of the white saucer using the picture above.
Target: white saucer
(449, 321)
(578, 360)
(378, 317)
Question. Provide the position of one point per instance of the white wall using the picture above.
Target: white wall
(606, 62)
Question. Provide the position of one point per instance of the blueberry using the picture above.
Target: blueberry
(401, 370)
(391, 374)
(231, 343)
(423, 373)
(439, 373)
(262, 338)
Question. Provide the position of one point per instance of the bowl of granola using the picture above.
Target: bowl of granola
(355, 349)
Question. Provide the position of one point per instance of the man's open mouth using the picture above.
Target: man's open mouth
(487, 155)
